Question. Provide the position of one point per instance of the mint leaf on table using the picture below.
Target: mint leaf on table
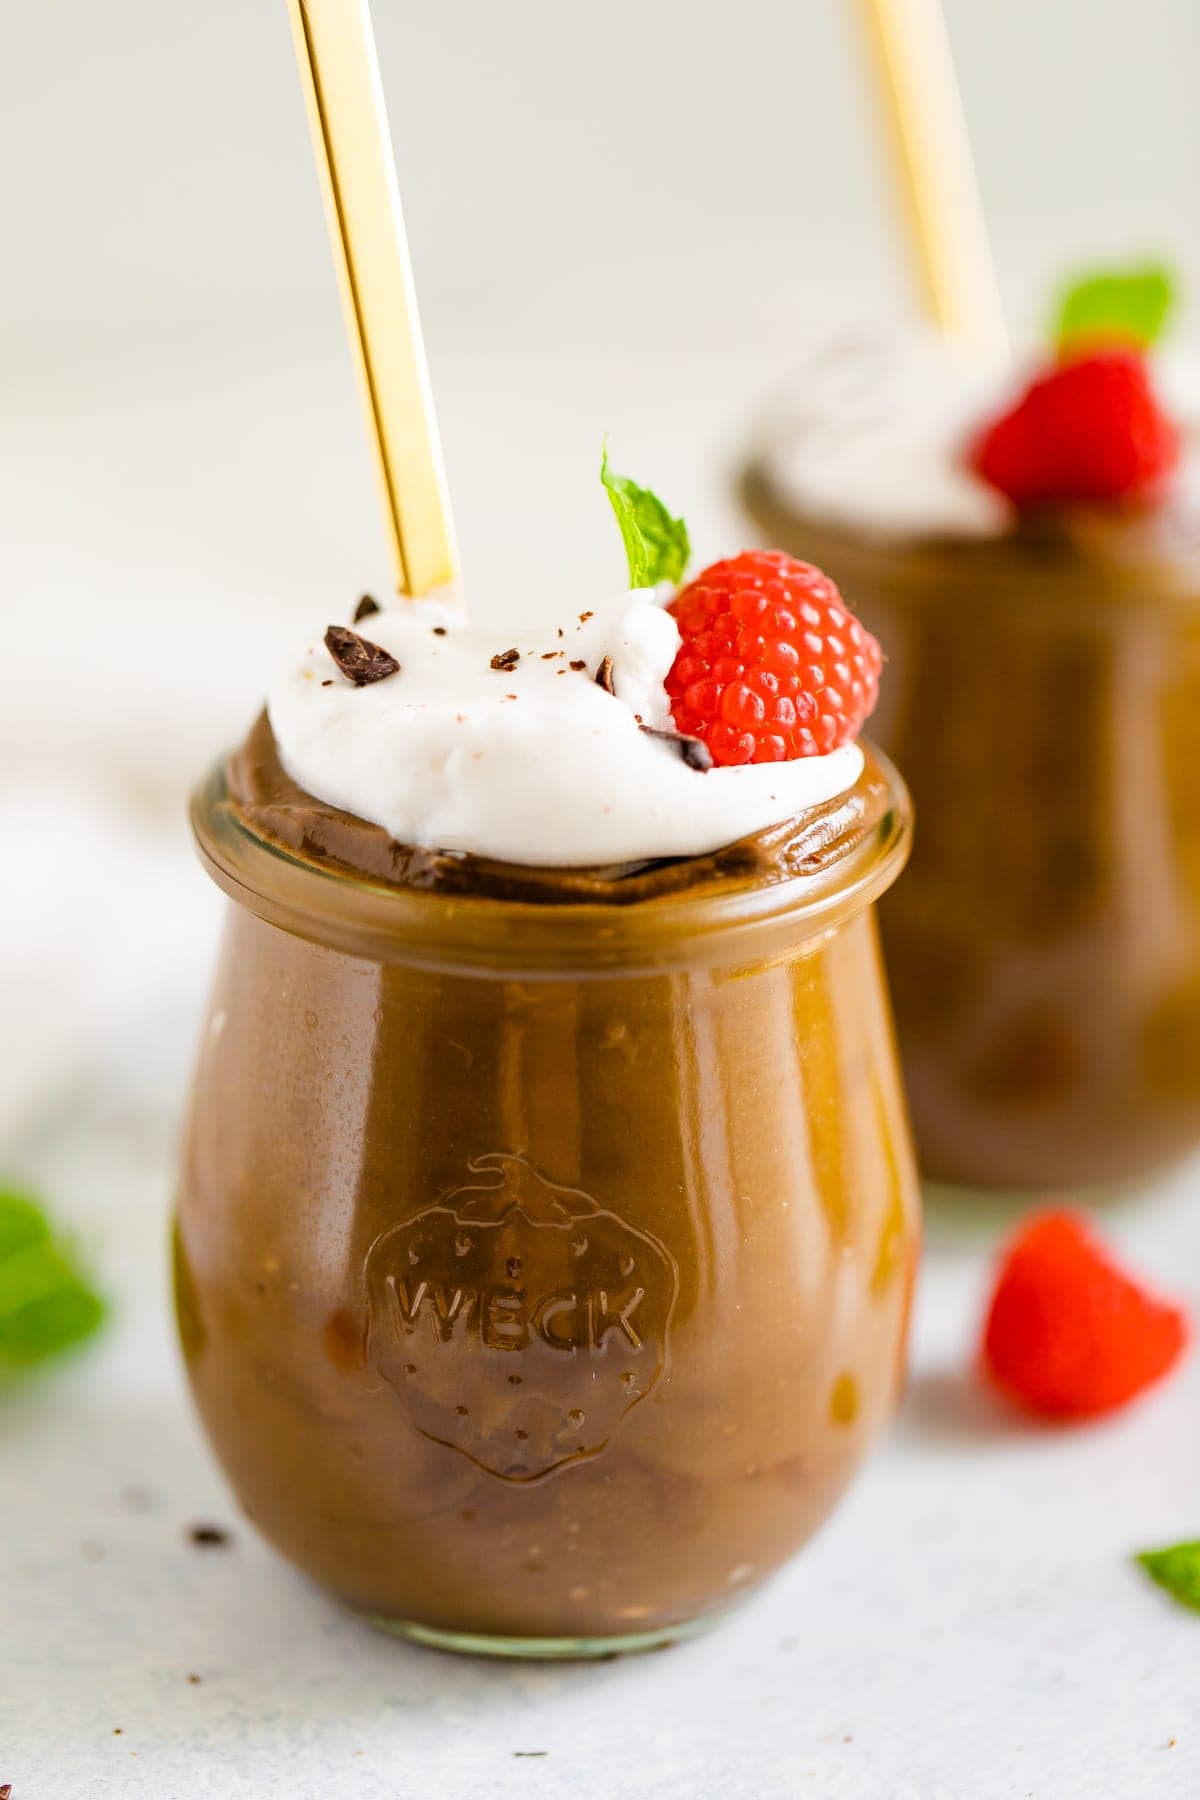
(656, 545)
(46, 1303)
(1115, 306)
(1177, 1569)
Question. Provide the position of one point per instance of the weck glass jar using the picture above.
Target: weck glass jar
(1043, 699)
(543, 1269)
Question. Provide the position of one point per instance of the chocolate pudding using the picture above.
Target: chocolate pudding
(1042, 693)
(267, 801)
(546, 1233)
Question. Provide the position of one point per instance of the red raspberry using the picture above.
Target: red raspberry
(1088, 429)
(1068, 1334)
(773, 664)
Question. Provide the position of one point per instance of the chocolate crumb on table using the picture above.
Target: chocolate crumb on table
(366, 606)
(439, 631)
(6, 1791)
(506, 660)
(209, 1537)
(604, 675)
(578, 664)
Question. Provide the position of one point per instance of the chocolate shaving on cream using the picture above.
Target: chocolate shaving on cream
(359, 660)
(695, 753)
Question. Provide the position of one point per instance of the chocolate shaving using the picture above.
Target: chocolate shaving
(328, 683)
(604, 675)
(578, 665)
(506, 660)
(366, 606)
(208, 1537)
(693, 751)
(439, 631)
(359, 660)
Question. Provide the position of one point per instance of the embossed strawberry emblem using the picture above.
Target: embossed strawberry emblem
(518, 1320)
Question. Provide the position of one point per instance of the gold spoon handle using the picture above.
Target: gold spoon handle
(340, 72)
(919, 93)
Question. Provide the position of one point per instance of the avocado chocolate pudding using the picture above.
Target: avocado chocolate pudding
(1042, 692)
(548, 1216)
(264, 799)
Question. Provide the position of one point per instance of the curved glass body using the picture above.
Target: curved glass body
(1043, 698)
(543, 1272)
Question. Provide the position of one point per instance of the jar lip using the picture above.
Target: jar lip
(1121, 540)
(391, 923)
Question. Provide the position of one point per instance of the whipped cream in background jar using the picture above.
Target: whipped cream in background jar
(1042, 694)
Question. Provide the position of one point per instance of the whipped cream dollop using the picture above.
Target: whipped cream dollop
(872, 433)
(533, 764)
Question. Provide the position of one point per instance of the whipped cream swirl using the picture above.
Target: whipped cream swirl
(534, 763)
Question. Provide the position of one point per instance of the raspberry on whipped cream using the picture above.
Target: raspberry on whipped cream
(773, 664)
(1088, 428)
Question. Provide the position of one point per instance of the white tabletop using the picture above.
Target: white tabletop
(968, 1627)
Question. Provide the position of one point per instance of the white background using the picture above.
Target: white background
(623, 217)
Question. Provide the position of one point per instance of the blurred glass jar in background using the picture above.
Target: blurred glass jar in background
(1043, 698)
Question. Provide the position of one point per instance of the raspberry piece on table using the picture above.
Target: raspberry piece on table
(1068, 1334)
(773, 664)
(1087, 429)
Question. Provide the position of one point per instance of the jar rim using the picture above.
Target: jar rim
(385, 922)
(1118, 544)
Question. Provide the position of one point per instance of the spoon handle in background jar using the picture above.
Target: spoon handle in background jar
(918, 92)
(340, 72)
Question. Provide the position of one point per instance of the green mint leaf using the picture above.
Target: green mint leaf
(656, 545)
(1177, 1569)
(1125, 306)
(46, 1304)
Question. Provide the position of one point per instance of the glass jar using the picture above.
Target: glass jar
(543, 1270)
(1043, 698)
